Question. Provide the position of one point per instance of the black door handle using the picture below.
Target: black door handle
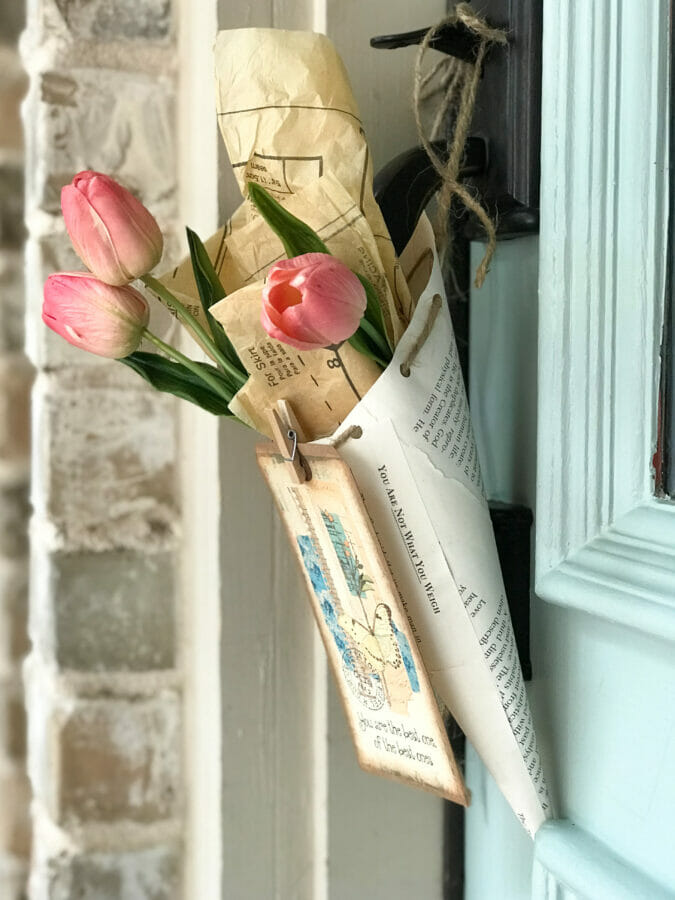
(506, 118)
(404, 186)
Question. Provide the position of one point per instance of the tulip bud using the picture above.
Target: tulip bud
(112, 232)
(312, 301)
(94, 316)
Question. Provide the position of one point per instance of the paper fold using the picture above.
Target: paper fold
(416, 464)
(288, 117)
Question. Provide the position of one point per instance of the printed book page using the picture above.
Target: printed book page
(416, 465)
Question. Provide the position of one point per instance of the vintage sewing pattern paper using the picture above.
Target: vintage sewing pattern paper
(273, 90)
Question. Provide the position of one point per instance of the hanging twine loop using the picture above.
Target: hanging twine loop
(458, 80)
(354, 431)
(411, 355)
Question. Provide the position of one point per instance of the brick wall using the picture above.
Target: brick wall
(15, 381)
(102, 679)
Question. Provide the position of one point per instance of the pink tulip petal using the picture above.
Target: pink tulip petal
(112, 232)
(336, 280)
(97, 317)
(280, 335)
(283, 295)
(336, 323)
(294, 322)
(334, 302)
(304, 261)
(133, 230)
(312, 301)
(292, 326)
(90, 237)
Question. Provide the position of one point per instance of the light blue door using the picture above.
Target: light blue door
(603, 618)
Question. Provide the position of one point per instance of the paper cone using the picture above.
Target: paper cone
(417, 467)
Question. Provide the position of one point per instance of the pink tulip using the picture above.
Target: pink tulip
(94, 316)
(112, 232)
(312, 301)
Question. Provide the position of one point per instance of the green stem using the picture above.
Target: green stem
(376, 338)
(195, 326)
(381, 362)
(201, 373)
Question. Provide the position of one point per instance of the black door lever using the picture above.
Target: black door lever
(506, 118)
(455, 40)
(405, 185)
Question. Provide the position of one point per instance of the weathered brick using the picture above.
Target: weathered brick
(118, 760)
(15, 831)
(12, 721)
(115, 122)
(12, 229)
(13, 878)
(109, 461)
(14, 642)
(114, 611)
(105, 466)
(112, 20)
(11, 301)
(16, 379)
(14, 514)
(150, 874)
(13, 85)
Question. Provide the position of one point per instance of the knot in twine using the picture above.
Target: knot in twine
(459, 82)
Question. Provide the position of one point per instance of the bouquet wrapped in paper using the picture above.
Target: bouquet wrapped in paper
(321, 339)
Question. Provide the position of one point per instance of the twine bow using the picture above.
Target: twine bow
(459, 82)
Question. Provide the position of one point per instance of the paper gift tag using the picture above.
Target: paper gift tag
(390, 706)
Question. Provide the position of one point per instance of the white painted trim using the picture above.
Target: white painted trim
(273, 710)
(626, 574)
(200, 483)
(603, 543)
(320, 16)
(569, 863)
(201, 653)
(320, 763)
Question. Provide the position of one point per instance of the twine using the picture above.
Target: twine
(354, 431)
(459, 82)
(434, 309)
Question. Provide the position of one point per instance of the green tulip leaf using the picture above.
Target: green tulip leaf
(360, 341)
(374, 316)
(174, 378)
(296, 236)
(210, 292)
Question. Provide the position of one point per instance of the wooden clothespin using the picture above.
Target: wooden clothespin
(287, 435)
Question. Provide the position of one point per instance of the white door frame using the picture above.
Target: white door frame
(604, 544)
(200, 483)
